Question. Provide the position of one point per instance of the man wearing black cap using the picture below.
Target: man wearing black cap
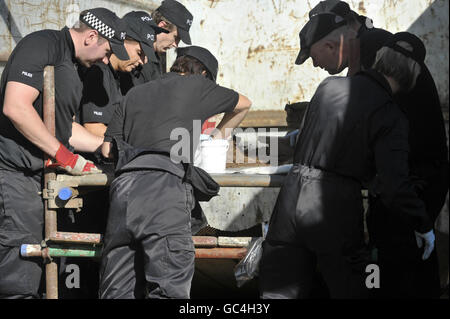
(105, 84)
(427, 138)
(148, 249)
(352, 132)
(24, 138)
(173, 17)
(151, 68)
(173, 12)
(342, 48)
(101, 95)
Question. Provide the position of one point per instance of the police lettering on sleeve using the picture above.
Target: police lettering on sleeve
(29, 58)
(26, 65)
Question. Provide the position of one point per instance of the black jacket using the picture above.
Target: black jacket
(354, 129)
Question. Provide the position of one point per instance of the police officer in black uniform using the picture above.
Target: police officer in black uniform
(24, 138)
(352, 130)
(148, 249)
(101, 86)
(101, 95)
(177, 20)
(405, 273)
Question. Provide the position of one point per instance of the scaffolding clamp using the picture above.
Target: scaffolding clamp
(45, 253)
(62, 194)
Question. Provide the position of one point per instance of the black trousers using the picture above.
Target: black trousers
(403, 273)
(21, 222)
(290, 272)
(148, 250)
(317, 224)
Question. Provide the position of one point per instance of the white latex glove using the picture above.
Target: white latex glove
(206, 137)
(292, 137)
(428, 238)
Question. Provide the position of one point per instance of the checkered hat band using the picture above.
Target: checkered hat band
(98, 25)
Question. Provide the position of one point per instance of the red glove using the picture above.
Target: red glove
(74, 164)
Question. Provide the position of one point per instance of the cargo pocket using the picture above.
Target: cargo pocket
(21, 221)
(181, 252)
(5, 220)
(176, 276)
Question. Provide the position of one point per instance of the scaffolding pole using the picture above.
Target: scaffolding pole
(224, 180)
(51, 268)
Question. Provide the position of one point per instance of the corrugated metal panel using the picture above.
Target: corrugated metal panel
(256, 41)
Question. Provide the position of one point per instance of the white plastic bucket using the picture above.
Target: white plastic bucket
(214, 155)
(198, 151)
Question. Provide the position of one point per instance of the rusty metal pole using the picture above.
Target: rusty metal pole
(51, 268)
(220, 253)
(224, 180)
(244, 180)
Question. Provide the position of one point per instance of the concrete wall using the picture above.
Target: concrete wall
(255, 41)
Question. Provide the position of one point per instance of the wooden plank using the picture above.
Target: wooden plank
(271, 118)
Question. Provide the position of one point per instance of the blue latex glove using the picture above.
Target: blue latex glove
(428, 238)
(292, 137)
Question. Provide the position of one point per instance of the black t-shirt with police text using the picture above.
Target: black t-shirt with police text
(101, 94)
(26, 65)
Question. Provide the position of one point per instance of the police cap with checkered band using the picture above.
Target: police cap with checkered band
(109, 26)
(142, 28)
(176, 13)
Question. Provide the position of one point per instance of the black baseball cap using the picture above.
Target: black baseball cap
(109, 26)
(176, 13)
(315, 29)
(341, 9)
(203, 55)
(418, 52)
(337, 7)
(142, 28)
